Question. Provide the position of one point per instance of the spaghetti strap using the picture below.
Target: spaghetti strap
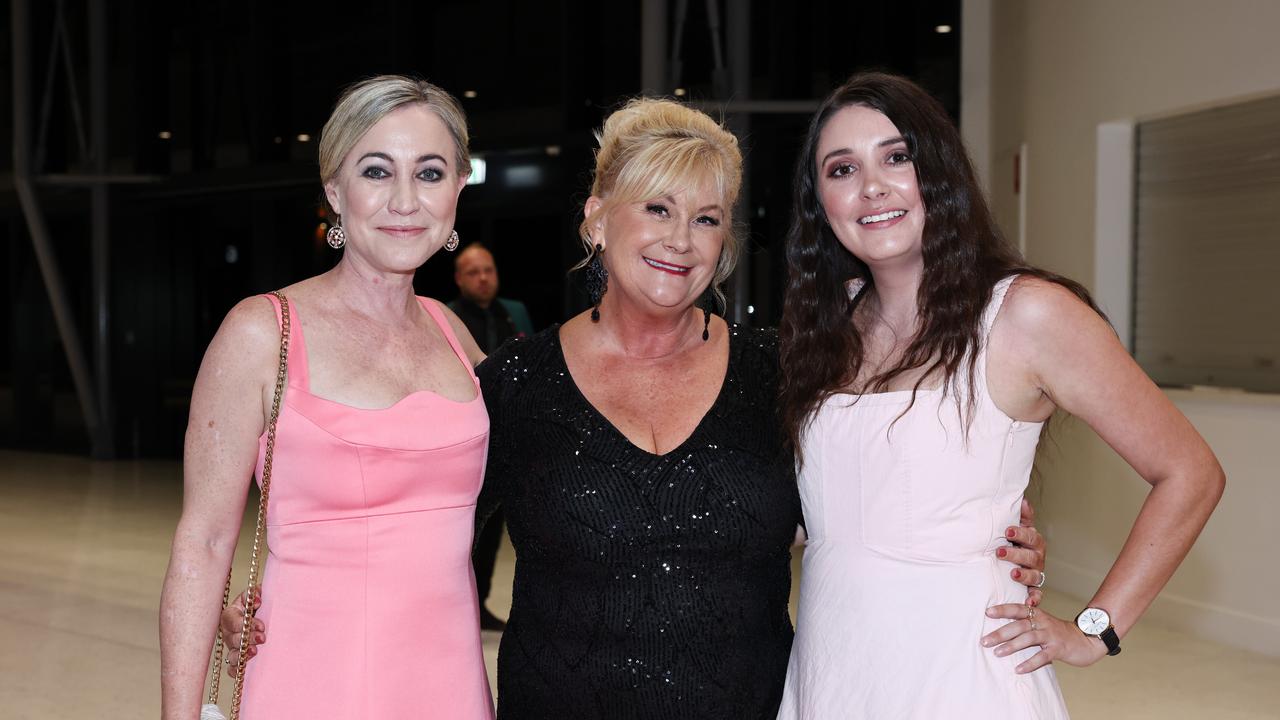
(989, 314)
(445, 327)
(998, 291)
(298, 371)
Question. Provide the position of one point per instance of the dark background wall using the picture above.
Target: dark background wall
(213, 117)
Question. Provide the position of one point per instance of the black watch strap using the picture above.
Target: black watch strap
(1111, 640)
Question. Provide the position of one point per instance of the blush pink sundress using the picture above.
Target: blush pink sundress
(368, 596)
(904, 519)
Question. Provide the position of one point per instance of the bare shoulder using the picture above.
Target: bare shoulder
(251, 323)
(1042, 328)
(1034, 307)
(238, 368)
(247, 343)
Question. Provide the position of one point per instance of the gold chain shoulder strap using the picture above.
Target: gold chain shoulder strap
(259, 529)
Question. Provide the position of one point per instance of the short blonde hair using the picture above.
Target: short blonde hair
(650, 148)
(361, 107)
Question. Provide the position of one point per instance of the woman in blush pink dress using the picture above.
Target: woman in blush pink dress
(380, 449)
(920, 358)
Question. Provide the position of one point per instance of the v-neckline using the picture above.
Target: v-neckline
(729, 368)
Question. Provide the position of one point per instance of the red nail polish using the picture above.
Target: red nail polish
(1001, 552)
(1017, 574)
(1008, 533)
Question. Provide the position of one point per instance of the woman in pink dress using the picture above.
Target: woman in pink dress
(380, 449)
(920, 358)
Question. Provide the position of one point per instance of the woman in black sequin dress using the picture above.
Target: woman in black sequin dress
(647, 585)
(636, 452)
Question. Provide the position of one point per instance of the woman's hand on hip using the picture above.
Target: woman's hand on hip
(1057, 639)
(1027, 550)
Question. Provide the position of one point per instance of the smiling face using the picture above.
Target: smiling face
(662, 253)
(397, 191)
(868, 187)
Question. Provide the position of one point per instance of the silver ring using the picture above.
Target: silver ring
(1034, 626)
(1041, 583)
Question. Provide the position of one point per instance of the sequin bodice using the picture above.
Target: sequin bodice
(646, 586)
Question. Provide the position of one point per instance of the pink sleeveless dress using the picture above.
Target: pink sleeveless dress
(368, 595)
(904, 520)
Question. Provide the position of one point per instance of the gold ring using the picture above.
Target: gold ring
(1031, 613)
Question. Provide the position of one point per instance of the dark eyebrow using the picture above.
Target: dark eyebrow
(832, 154)
(384, 156)
(883, 143)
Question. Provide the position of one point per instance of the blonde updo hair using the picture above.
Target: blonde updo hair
(650, 148)
(361, 107)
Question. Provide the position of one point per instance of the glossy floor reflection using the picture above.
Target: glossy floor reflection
(85, 546)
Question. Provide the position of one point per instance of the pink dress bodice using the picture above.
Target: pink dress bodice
(368, 595)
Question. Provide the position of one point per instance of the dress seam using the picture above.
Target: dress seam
(358, 445)
(364, 631)
(370, 516)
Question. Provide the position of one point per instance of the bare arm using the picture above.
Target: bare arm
(1074, 361)
(228, 413)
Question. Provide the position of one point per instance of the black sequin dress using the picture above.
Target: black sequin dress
(646, 586)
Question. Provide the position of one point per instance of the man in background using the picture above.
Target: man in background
(492, 320)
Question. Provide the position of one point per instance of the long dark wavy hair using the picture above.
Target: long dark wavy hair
(964, 257)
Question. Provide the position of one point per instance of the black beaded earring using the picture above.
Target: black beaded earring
(707, 300)
(597, 281)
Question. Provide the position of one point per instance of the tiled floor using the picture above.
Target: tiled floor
(84, 551)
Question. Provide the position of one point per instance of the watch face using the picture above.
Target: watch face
(1093, 621)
